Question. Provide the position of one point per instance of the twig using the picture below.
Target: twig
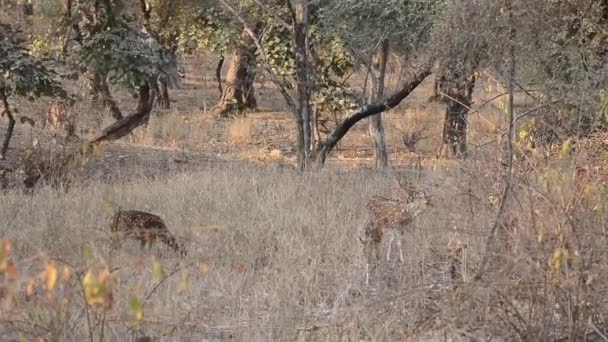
(530, 111)
(165, 279)
(509, 171)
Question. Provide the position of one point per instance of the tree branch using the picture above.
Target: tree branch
(369, 110)
(11, 124)
(499, 221)
(127, 124)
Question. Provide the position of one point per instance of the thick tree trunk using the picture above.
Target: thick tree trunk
(459, 98)
(376, 91)
(238, 93)
(126, 125)
(11, 124)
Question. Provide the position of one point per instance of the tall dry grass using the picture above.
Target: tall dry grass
(274, 255)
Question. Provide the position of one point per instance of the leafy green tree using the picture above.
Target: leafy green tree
(21, 75)
(133, 59)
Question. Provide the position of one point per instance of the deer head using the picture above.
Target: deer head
(414, 193)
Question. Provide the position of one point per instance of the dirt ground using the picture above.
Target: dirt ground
(186, 135)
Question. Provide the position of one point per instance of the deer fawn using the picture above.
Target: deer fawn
(389, 217)
(144, 227)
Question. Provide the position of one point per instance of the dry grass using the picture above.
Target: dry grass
(415, 127)
(240, 131)
(273, 254)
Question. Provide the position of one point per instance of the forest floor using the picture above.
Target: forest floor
(273, 254)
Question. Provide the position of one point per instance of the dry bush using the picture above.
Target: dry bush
(547, 267)
(240, 131)
(55, 163)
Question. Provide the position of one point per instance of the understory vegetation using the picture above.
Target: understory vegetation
(261, 130)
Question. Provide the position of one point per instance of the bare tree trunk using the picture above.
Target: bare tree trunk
(218, 74)
(376, 91)
(11, 123)
(126, 125)
(306, 141)
(238, 93)
(100, 86)
(26, 13)
(163, 100)
(458, 97)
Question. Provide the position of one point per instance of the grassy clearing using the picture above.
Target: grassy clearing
(275, 255)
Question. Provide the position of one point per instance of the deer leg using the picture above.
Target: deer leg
(400, 249)
(390, 243)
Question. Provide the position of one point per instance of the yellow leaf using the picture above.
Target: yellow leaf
(97, 289)
(88, 255)
(51, 276)
(66, 274)
(157, 271)
(137, 306)
(29, 289)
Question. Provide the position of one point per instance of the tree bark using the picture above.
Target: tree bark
(126, 125)
(305, 137)
(459, 93)
(163, 101)
(238, 93)
(366, 111)
(100, 86)
(26, 13)
(218, 74)
(376, 91)
(11, 124)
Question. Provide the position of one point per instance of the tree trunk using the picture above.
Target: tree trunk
(100, 86)
(26, 13)
(126, 125)
(218, 74)
(376, 91)
(163, 100)
(305, 139)
(11, 124)
(238, 93)
(459, 98)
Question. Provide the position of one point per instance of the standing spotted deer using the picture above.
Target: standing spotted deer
(390, 217)
(144, 227)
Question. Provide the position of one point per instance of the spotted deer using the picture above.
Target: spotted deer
(390, 217)
(144, 227)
